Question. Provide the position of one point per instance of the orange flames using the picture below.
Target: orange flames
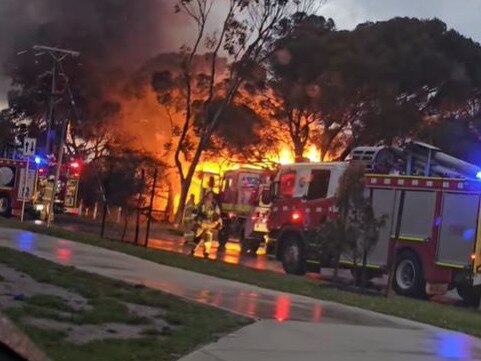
(287, 156)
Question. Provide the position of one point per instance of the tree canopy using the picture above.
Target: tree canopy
(379, 82)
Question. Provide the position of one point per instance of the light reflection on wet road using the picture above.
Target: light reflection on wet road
(328, 329)
(231, 254)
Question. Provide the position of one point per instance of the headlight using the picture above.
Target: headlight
(39, 207)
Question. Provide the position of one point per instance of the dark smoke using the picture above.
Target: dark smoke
(108, 33)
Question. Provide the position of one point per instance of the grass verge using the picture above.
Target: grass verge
(194, 324)
(445, 316)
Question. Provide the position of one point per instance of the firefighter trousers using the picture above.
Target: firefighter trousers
(206, 236)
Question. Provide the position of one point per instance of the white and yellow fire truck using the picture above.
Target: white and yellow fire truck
(12, 183)
(244, 199)
(432, 201)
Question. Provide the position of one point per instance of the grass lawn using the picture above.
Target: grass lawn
(446, 316)
(184, 325)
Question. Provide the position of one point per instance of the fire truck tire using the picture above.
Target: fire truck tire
(5, 206)
(408, 276)
(470, 295)
(292, 255)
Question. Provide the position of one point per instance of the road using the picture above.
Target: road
(289, 326)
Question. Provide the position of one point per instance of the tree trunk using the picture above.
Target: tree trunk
(126, 223)
(169, 208)
(364, 273)
(185, 184)
(390, 274)
(104, 219)
(336, 268)
(298, 150)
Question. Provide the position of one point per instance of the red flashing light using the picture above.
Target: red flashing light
(296, 216)
(75, 165)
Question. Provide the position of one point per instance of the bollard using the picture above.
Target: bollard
(119, 214)
(96, 206)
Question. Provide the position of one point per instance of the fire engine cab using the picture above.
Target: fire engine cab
(244, 199)
(432, 236)
(12, 183)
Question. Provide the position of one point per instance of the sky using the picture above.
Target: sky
(462, 15)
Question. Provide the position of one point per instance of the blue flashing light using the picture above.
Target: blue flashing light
(38, 160)
(478, 175)
(468, 234)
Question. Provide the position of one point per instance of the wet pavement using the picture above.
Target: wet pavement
(173, 243)
(290, 326)
(231, 254)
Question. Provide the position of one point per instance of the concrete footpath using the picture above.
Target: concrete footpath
(288, 327)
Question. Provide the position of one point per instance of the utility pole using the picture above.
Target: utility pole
(57, 172)
(57, 55)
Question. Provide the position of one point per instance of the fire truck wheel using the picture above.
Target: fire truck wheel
(408, 276)
(5, 207)
(292, 255)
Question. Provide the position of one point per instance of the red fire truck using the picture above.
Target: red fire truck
(244, 199)
(432, 201)
(12, 182)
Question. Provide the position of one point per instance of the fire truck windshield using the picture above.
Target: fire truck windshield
(250, 181)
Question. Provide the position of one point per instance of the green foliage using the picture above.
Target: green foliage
(355, 230)
(379, 81)
(118, 176)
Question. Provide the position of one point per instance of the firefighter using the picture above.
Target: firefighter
(189, 215)
(208, 220)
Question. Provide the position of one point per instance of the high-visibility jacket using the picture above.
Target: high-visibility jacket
(208, 213)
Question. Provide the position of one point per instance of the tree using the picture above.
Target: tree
(243, 136)
(245, 33)
(293, 103)
(7, 136)
(356, 228)
(381, 82)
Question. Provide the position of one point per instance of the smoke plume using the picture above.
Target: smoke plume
(108, 33)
